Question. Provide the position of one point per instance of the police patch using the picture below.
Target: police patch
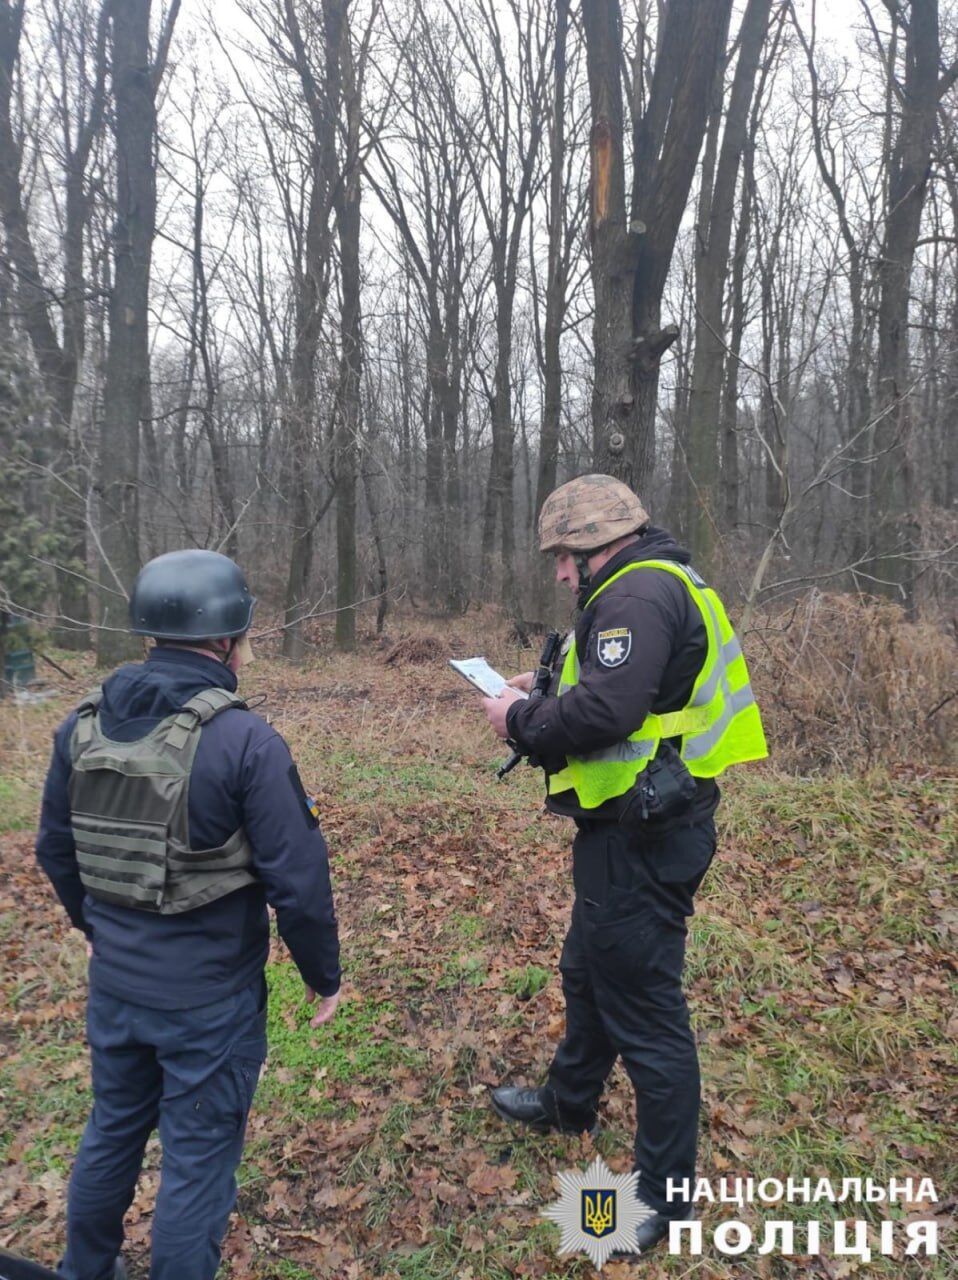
(614, 646)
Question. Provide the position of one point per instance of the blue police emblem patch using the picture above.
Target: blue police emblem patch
(598, 1211)
(614, 646)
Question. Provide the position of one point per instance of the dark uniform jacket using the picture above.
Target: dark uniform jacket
(243, 775)
(667, 645)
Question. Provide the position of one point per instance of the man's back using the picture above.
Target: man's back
(242, 776)
(177, 1009)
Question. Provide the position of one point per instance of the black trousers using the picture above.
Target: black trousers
(621, 971)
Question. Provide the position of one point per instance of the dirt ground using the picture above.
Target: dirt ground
(820, 969)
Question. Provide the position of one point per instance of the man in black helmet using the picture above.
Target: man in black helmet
(172, 815)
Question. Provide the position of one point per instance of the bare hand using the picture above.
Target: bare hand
(326, 1008)
(496, 708)
(523, 682)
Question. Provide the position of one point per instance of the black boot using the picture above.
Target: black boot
(650, 1231)
(647, 1235)
(540, 1110)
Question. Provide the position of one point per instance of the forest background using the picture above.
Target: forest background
(343, 289)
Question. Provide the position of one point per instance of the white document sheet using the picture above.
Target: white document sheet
(481, 676)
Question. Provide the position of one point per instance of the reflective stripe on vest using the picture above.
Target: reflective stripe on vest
(129, 812)
(720, 725)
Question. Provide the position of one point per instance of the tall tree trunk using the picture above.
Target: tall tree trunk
(687, 517)
(893, 520)
(614, 419)
(126, 389)
(59, 364)
(711, 273)
(555, 298)
(730, 460)
(857, 364)
(773, 460)
(55, 363)
(436, 516)
(405, 416)
(322, 95)
(300, 414)
(201, 340)
(630, 264)
(349, 408)
(73, 594)
(379, 542)
(948, 424)
(503, 431)
(490, 500)
(455, 591)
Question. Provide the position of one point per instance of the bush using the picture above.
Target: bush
(849, 682)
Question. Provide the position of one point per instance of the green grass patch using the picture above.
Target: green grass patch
(361, 779)
(466, 926)
(357, 1045)
(53, 1148)
(38, 1088)
(446, 1257)
(284, 1269)
(464, 970)
(528, 982)
(19, 804)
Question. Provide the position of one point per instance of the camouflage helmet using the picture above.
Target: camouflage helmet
(589, 513)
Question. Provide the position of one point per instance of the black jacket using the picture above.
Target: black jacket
(666, 644)
(243, 775)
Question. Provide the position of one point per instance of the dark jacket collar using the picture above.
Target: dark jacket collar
(137, 696)
(210, 668)
(654, 544)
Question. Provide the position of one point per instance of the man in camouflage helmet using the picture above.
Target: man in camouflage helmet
(649, 702)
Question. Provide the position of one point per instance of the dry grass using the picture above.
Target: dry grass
(847, 684)
(415, 651)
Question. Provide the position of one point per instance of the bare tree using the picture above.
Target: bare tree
(136, 71)
(714, 234)
(76, 35)
(892, 495)
(204, 156)
(348, 406)
(631, 257)
(502, 151)
(564, 219)
(299, 62)
(844, 180)
(422, 181)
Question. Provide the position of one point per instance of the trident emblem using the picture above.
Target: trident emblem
(598, 1212)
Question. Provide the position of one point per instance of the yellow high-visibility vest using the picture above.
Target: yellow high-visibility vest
(720, 725)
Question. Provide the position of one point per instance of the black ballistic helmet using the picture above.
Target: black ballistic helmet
(190, 595)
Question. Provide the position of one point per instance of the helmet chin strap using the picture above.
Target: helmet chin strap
(581, 559)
